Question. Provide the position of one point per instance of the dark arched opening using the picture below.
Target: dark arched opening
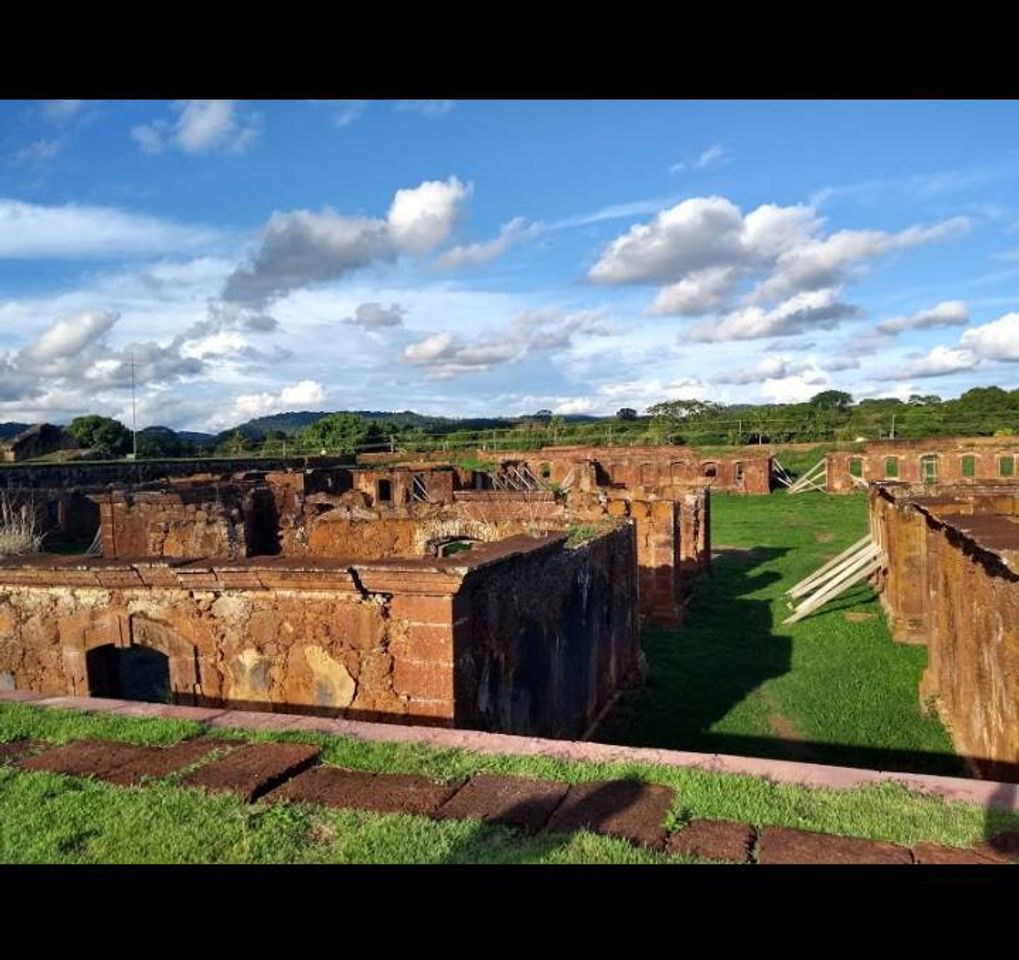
(129, 673)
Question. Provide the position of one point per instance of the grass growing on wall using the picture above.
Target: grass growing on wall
(832, 688)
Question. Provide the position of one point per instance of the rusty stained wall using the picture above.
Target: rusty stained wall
(649, 467)
(375, 641)
(281, 516)
(948, 588)
(987, 453)
(545, 641)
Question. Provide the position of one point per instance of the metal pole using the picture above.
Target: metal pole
(134, 415)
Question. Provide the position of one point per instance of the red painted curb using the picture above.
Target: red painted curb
(982, 793)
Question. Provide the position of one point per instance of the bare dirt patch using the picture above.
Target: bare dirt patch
(858, 617)
(255, 769)
(824, 537)
(785, 845)
(515, 801)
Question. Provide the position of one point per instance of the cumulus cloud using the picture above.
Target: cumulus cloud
(374, 316)
(201, 126)
(811, 310)
(249, 406)
(703, 251)
(73, 357)
(472, 254)
(948, 313)
(770, 368)
(302, 247)
(29, 230)
(941, 361)
(422, 217)
(444, 354)
(997, 340)
(348, 111)
(427, 108)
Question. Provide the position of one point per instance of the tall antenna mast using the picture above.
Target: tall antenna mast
(134, 415)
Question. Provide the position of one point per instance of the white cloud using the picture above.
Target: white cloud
(70, 230)
(713, 154)
(373, 316)
(444, 354)
(427, 108)
(422, 217)
(941, 361)
(804, 311)
(303, 247)
(472, 254)
(997, 340)
(948, 313)
(346, 112)
(202, 126)
(696, 294)
(704, 249)
(69, 336)
(303, 392)
(770, 368)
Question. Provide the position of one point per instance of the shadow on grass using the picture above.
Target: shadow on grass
(725, 650)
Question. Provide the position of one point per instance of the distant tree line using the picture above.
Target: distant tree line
(829, 416)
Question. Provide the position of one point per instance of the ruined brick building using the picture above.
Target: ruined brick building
(951, 581)
(931, 462)
(429, 594)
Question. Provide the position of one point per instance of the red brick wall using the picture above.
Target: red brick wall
(950, 451)
(952, 584)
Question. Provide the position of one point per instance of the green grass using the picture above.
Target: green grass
(826, 689)
(46, 818)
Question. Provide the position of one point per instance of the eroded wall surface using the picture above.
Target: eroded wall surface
(955, 462)
(953, 583)
(382, 641)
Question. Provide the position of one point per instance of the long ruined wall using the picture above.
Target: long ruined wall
(283, 516)
(649, 467)
(382, 641)
(952, 462)
(953, 583)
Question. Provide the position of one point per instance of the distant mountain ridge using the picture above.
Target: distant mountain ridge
(12, 429)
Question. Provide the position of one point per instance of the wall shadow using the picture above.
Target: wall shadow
(720, 655)
(724, 651)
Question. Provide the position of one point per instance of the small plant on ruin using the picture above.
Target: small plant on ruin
(18, 526)
(582, 533)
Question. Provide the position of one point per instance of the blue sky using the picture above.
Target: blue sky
(497, 257)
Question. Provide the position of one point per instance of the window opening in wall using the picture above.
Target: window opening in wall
(856, 467)
(546, 470)
(891, 467)
(385, 491)
(454, 547)
(129, 673)
(1006, 466)
(711, 469)
(969, 466)
(929, 469)
(738, 471)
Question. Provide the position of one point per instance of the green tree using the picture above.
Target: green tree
(104, 435)
(832, 400)
(626, 413)
(340, 433)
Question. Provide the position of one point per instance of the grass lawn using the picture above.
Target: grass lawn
(46, 818)
(832, 688)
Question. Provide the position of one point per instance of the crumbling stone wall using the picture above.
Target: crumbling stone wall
(745, 470)
(545, 640)
(953, 583)
(381, 641)
(903, 461)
